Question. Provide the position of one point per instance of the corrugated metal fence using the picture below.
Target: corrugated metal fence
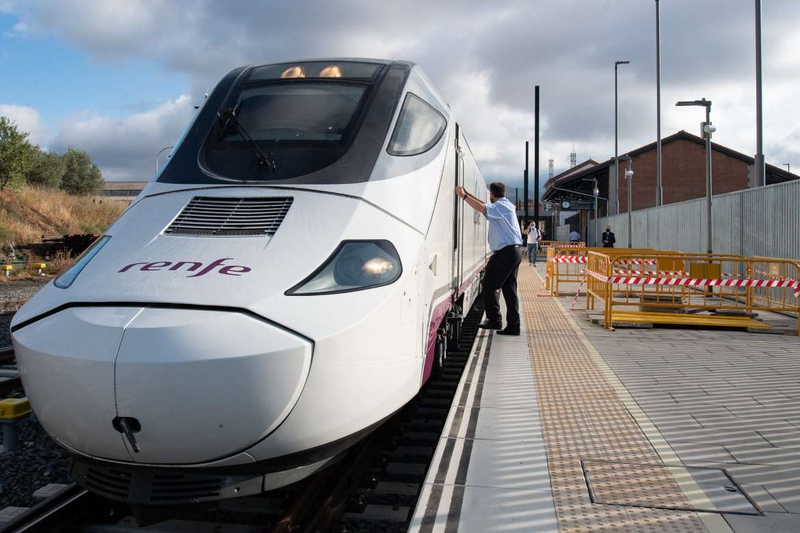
(562, 233)
(754, 222)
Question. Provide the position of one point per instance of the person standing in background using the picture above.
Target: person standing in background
(608, 238)
(574, 236)
(533, 242)
(505, 241)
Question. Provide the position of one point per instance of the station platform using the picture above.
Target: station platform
(574, 428)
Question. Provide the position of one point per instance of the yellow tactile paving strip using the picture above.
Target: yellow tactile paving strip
(583, 418)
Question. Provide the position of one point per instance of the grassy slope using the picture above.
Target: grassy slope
(29, 213)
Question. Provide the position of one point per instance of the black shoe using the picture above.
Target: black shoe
(509, 331)
(490, 325)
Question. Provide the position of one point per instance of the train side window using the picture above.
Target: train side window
(418, 128)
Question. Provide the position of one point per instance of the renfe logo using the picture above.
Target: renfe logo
(191, 266)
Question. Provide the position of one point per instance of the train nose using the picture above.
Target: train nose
(188, 386)
(66, 362)
(203, 385)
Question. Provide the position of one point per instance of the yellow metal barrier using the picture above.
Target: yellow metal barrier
(546, 245)
(672, 287)
(567, 264)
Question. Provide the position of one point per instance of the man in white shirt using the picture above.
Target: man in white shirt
(505, 241)
(533, 242)
(574, 236)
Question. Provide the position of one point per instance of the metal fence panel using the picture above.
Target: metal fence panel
(754, 222)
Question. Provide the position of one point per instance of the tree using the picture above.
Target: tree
(81, 176)
(16, 154)
(48, 169)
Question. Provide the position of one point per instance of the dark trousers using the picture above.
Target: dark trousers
(501, 273)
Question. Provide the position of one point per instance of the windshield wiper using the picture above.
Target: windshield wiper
(229, 116)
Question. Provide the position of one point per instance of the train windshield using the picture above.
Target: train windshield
(284, 129)
(295, 112)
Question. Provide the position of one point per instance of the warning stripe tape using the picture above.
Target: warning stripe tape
(563, 246)
(585, 260)
(699, 282)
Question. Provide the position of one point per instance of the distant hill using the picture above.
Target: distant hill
(29, 213)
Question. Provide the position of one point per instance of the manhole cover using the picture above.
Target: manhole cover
(666, 487)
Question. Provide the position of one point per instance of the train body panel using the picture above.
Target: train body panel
(276, 349)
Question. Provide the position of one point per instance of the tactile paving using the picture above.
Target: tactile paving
(584, 419)
(645, 485)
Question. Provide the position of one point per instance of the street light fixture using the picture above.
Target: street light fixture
(788, 167)
(708, 129)
(616, 128)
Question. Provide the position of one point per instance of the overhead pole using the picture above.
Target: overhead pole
(536, 158)
(708, 129)
(525, 200)
(659, 184)
(760, 180)
(616, 130)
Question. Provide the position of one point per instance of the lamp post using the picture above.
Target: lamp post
(759, 159)
(788, 167)
(629, 184)
(659, 185)
(616, 128)
(708, 129)
(161, 152)
(595, 193)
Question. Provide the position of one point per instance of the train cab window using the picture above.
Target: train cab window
(418, 128)
(295, 112)
(303, 124)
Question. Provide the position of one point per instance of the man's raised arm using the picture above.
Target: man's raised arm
(471, 200)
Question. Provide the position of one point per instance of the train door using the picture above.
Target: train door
(457, 215)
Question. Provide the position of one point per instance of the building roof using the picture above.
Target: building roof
(774, 174)
(585, 170)
(564, 176)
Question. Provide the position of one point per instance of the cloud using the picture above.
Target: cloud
(485, 57)
(28, 120)
(125, 149)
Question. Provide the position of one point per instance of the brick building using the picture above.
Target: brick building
(683, 174)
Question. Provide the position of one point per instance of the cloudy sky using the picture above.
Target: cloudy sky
(119, 78)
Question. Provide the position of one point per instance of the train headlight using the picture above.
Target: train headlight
(66, 278)
(354, 266)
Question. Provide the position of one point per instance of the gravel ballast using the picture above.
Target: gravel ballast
(37, 461)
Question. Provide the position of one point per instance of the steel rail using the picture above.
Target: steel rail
(63, 509)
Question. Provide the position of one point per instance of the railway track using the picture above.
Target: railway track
(374, 487)
(9, 375)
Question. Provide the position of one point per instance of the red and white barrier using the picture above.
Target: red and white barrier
(570, 259)
(699, 282)
(584, 260)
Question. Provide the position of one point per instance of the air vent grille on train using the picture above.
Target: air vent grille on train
(112, 482)
(230, 217)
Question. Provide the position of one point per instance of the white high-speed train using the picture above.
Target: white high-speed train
(279, 289)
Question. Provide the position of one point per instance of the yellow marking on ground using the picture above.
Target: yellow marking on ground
(588, 414)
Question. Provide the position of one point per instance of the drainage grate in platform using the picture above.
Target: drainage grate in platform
(650, 485)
